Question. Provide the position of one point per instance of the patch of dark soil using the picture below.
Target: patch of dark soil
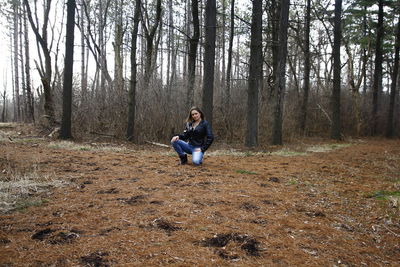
(315, 214)
(42, 234)
(165, 225)
(109, 191)
(148, 189)
(63, 238)
(248, 244)
(219, 240)
(106, 231)
(249, 206)
(223, 254)
(268, 202)
(251, 247)
(274, 179)
(95, 259)
(4, 241)
(134, 200)
(156, 202)
(259, 221)
(264, 185)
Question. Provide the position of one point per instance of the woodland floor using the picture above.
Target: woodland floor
(312, 203)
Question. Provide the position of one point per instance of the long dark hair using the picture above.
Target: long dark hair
(189, 118)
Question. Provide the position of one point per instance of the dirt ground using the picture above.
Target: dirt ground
(310, 203)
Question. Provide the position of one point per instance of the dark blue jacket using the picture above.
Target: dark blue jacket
(201, 136)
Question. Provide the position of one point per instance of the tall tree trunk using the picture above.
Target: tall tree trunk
(280, 83)
(118, 42)
(65, 130)
(84, 84)
(229, 65)
(254, 74)
(395, 74)
(307, 67)
(130, 133)
(29, 94)
(377, 83)
(193, 44)
(209, 58)
(337, 35)
(17, 105)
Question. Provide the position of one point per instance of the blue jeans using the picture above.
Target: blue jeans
(182, 147)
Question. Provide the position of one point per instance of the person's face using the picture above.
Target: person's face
(195, 115)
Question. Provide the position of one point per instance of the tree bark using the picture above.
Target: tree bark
(229, 65)
(395, 73)
(130, 133)
(279, 86)
(209, 58)
(307, 67)
(377, 83)
(193, 44)
(254, 74)
(17, 107)
(337, 35)
(29, 95)
(65, 130)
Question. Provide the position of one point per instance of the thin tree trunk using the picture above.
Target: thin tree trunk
(130, 133)
(65, 130)
(30, 100)
(229, 65)
(395, 74)
(193, 44)
(209, 58)
(377, 83)
(307, 67)
(337, 34)
(17, 115)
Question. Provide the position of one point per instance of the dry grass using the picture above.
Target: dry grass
(21, 190)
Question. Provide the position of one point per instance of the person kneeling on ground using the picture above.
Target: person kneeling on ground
(196, 138)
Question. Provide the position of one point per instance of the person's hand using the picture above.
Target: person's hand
(174, 139)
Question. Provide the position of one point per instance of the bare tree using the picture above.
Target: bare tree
(45, 71)
(150, 33)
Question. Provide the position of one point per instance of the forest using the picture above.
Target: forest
(263, 72)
